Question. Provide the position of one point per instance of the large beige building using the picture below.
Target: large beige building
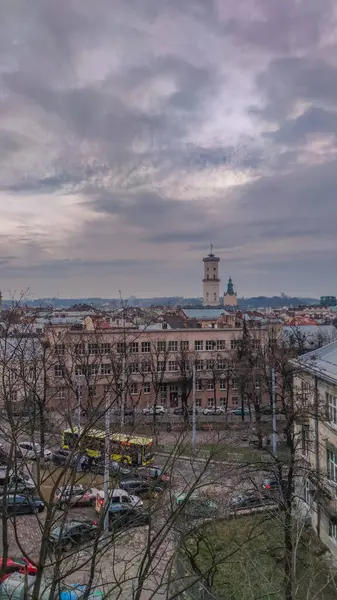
(149, 365)
(315, 384)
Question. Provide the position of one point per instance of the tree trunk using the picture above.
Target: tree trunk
(258, 425)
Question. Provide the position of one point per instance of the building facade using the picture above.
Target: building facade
(315, 384)
(211, 280)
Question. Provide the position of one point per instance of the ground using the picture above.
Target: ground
(242, 560)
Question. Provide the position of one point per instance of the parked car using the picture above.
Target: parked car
(151, 410)
(123, 515)
(62, 457)
(248, 500)
(141, 487)
(76, 591)
(179, 410)
(17, 565)
(195, 506)
(214, 410)
(21, 504)
(115, 468)
(154, 472)
(19, 481)
(72, 533)
(117, 496)
(238, 412)
(274, 485)
(32, 451)
(75, 495)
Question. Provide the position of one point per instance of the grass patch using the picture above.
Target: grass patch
(225, 452)
(242, 559)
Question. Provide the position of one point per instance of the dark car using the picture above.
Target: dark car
(64, 457)
(179, 410)
(71, 534)
(141, 487)
(21, 504)
(115, 468)
(150, 473)
(123, 515)
(248, 500)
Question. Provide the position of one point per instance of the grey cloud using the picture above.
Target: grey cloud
(288, 80)
(314, 120)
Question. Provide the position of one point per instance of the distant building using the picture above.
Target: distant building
(211, 281)
(230, 297)
(328, 301)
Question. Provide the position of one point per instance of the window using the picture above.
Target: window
(163, 392)
(121, 347)
(161, 366)
(133, 348)
(173, 366)
(255, 344)
(257, 385)
(199, 386)
(234, 400)
(92, 391)
(93, 348)
(221, 364)
(105, 348)
(147, 387)
(173, 346)
(199, 365)
(93, 369)
(234, 384)
(106, 369)
(146, 367)
(198, 345)
(210, 386)
(133, 367)
(184, 346)
(221, 345)
(79, 370)
(332, 408)
(306, 495)
(333, 530)
(234, 344)
(146, 347)
(223, 402)
(331, 456)
(60, 349)
(305, 439)
(210, 402)
(133, 388)
(210, 344)
(223, 384)
(59, 370)
(80, 349)
(60, 393)
(161, 346)
(198, 402)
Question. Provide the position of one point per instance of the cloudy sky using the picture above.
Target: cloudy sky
(134, 133)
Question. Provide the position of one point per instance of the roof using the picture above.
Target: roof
(310, 335)
(321, 362)
(203, 314)
(117, 437)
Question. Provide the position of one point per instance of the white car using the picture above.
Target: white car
(151, 410)
(32, 451)
(117, 496)
(213, 410)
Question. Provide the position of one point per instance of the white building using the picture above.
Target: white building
(315, 384)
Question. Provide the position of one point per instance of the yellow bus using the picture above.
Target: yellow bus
(130, 450)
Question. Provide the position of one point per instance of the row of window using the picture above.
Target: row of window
(95, 349)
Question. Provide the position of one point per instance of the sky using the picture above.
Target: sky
(135, 133)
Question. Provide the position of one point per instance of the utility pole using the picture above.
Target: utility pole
(107, 463)
(273, 407)
(123, 393)
(194, 411)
